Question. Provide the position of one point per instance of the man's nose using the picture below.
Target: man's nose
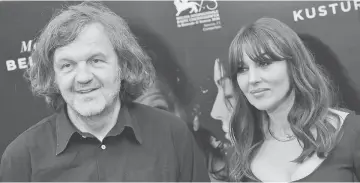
(83, 73)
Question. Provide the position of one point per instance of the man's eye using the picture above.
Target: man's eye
(96, 61)
(64, 66)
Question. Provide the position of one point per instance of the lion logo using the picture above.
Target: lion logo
(182, 5)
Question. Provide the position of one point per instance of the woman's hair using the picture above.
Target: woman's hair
(136, 71)
(216, 159)
(313, 95)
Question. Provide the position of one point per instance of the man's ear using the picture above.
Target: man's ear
(54, 85)
(120, 75)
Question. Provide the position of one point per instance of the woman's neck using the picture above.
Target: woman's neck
(278, 117)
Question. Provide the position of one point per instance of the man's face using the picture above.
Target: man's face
(87, 72)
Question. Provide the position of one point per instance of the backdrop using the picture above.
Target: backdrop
(185, 38)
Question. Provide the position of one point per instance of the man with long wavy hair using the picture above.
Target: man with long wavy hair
(90, 68)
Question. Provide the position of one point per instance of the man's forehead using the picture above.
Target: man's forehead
(61, 54)
(81, 49)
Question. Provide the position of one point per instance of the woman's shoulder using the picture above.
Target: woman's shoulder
(349, 120)
(337, 117)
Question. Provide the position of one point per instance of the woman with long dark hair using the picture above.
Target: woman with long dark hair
(287, 125)
(222, 110)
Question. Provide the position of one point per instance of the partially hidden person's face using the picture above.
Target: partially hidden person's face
(225, 100)
(87, 72)
(265, 84)
(159, 96)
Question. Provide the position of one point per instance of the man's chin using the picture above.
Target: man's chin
(90, 113)
(88, 109)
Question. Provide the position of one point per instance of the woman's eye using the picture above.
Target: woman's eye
(241, 69)
(162, 108)
(228, 97)
(264, 64)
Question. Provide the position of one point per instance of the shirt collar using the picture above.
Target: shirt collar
(65, 129)
(128, 120)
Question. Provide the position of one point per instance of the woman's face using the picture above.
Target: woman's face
(225, 99)
(265, 84)
(161, 97)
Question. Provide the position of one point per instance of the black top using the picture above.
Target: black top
(343, 162)
(146, 144)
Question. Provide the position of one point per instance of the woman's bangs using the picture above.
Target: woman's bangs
(260, 47)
